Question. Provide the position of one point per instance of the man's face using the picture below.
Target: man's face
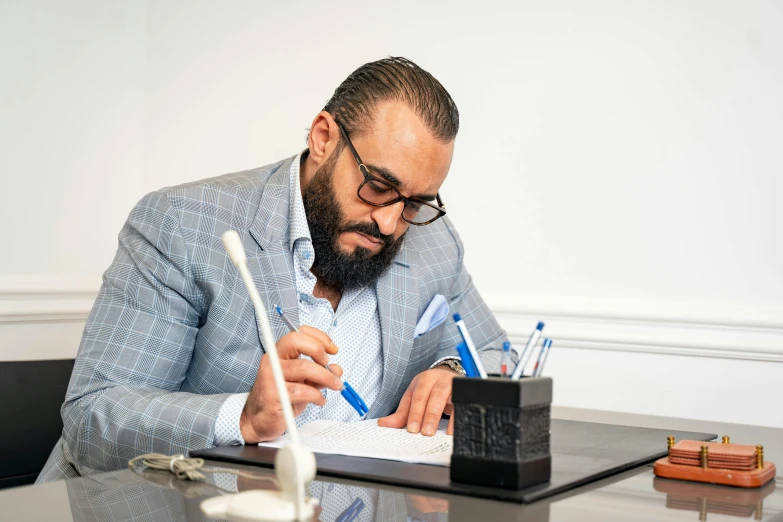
(355, 242)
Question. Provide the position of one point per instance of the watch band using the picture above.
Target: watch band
(453, 365)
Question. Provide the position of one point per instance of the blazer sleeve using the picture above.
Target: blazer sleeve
(484, 329)
(123, 399)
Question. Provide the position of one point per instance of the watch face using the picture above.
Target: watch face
(454, 366)
(457, 367)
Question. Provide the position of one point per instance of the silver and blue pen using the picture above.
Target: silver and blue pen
(347, 392)
(530, 347)
(539, 367)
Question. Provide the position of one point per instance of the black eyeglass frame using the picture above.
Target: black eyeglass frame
(441, 209)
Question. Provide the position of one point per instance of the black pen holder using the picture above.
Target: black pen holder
(502, 431)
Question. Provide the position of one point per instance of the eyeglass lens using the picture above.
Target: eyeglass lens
(379, 192)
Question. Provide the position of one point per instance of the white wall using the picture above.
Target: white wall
(626, 151)
(72, 129)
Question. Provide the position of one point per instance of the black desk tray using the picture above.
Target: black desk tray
(582, 452)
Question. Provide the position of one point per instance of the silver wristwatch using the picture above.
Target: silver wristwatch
(453, 365)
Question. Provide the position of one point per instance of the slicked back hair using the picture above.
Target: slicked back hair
(393, 79)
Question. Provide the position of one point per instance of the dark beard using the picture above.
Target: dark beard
(333, 267)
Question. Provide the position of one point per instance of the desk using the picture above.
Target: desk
(633, 495)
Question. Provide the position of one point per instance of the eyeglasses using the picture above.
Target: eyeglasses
(380, 193)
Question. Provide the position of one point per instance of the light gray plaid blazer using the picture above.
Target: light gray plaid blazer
(173, 333)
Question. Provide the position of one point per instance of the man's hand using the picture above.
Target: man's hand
(262, 418)
(426, 399)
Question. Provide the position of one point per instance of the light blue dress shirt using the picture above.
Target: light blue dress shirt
(354, 327)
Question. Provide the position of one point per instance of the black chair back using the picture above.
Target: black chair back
(31, 394)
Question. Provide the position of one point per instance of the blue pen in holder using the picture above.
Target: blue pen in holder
(467, 360)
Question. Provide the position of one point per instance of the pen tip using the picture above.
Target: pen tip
(540, 326)
(278, 310)
(457, 318)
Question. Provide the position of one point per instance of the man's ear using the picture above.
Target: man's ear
(323, 137)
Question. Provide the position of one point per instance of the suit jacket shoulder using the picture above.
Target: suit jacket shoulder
(440, 254)
(235, 196)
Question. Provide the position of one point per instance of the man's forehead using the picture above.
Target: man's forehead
(398, 143)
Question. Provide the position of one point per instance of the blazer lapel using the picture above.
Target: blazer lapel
(398, 303)
(272, 267)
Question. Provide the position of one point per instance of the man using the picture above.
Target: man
(349, 238)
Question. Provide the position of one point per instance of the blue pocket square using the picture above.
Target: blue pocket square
(433, 316)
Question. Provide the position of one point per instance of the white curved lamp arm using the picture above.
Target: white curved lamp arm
(237, 254)
(295, 464)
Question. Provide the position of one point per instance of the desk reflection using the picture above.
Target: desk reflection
(156, 496)
(710, 498)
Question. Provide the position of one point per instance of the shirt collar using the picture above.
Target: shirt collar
(298, 227)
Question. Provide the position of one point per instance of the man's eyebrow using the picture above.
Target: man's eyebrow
(387, 175)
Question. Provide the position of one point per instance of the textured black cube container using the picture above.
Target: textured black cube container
(501, 431)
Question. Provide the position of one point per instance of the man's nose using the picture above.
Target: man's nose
(387, 218)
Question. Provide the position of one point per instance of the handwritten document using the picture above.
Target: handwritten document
(367, 439)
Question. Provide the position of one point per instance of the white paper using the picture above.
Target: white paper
(367, 439)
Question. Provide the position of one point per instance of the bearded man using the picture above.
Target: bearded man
(349, 237)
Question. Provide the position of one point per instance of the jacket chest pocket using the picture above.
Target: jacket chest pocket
(424, 350)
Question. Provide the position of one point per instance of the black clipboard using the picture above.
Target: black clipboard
(582, 452)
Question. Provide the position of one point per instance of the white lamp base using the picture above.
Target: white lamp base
(295, 468)
(256, 506)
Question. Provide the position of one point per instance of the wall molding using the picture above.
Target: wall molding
(605, 332)
(28, 300)
(600, 327)
(748, 315)
(68, 310)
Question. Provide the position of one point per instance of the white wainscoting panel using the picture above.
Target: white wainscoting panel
(649, 335)
(699, 370)
(43, 318)
(655, 366)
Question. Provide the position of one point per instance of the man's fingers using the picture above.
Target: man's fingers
(321, 336)
(399, 418)
(419, 400)
(450, 429)
(439, 398)
(304, 370)
(262, 417)
(336, 368)
(302, 393)
(294, 344)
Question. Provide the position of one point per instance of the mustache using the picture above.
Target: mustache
(369, 229)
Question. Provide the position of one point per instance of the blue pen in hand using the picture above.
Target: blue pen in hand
(347, 392)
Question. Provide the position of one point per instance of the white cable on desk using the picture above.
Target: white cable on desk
(187, 468)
